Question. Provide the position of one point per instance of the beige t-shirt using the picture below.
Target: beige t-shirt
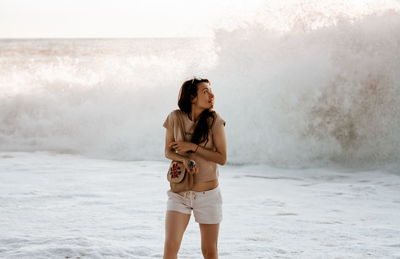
(207, 170)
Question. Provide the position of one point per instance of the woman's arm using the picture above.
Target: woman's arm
(219, 139)
(218, 156)
(169, 152)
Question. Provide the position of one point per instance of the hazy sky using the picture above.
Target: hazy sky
(120, 18)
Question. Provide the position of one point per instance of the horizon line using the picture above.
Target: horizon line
(94, 38)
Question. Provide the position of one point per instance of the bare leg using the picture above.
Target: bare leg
(209, 240)
(175, 226)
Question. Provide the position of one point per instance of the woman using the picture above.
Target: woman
(206, 145)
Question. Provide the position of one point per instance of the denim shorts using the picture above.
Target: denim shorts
(206, 205)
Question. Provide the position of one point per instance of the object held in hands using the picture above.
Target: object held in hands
(179, 178)
(192, 164)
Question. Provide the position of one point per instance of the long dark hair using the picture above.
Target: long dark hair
(189, 90)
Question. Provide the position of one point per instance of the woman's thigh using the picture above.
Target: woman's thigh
(209, 235)
(175, 225)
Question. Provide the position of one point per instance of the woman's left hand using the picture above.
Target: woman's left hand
(182, 146)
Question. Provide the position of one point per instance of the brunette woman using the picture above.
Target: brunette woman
(205, 143)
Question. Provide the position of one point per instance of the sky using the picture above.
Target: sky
(120, 18)
(165, 18)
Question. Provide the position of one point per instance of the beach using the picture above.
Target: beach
(68, 206)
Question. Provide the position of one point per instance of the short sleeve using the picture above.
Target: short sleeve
(169, 122)
(218, 121)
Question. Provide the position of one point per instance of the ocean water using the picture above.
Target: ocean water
(301, 97)
(71, 206)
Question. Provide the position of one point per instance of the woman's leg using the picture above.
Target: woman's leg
(175, 226)
(209, 240)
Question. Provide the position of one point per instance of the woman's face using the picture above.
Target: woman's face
(205, 96)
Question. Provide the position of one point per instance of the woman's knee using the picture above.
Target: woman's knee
(209, 250)
(172, 246)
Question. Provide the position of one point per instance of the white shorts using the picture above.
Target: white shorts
(206, 205)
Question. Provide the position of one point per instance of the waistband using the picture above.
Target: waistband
(185, 193)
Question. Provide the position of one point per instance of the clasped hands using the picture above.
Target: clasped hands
(184, 146)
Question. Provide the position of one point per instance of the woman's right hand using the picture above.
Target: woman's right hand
(194, 170)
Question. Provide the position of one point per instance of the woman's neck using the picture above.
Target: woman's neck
(194, 114)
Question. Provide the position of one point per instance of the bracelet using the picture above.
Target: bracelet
(196, 149)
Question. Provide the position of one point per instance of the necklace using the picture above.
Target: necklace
(191, 118)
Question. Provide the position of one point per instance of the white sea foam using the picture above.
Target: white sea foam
(304, 96)
(315, 96)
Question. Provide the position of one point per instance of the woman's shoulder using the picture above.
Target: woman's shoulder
(216, 115)
(217, 118)
(178, 112)
(175, 112)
